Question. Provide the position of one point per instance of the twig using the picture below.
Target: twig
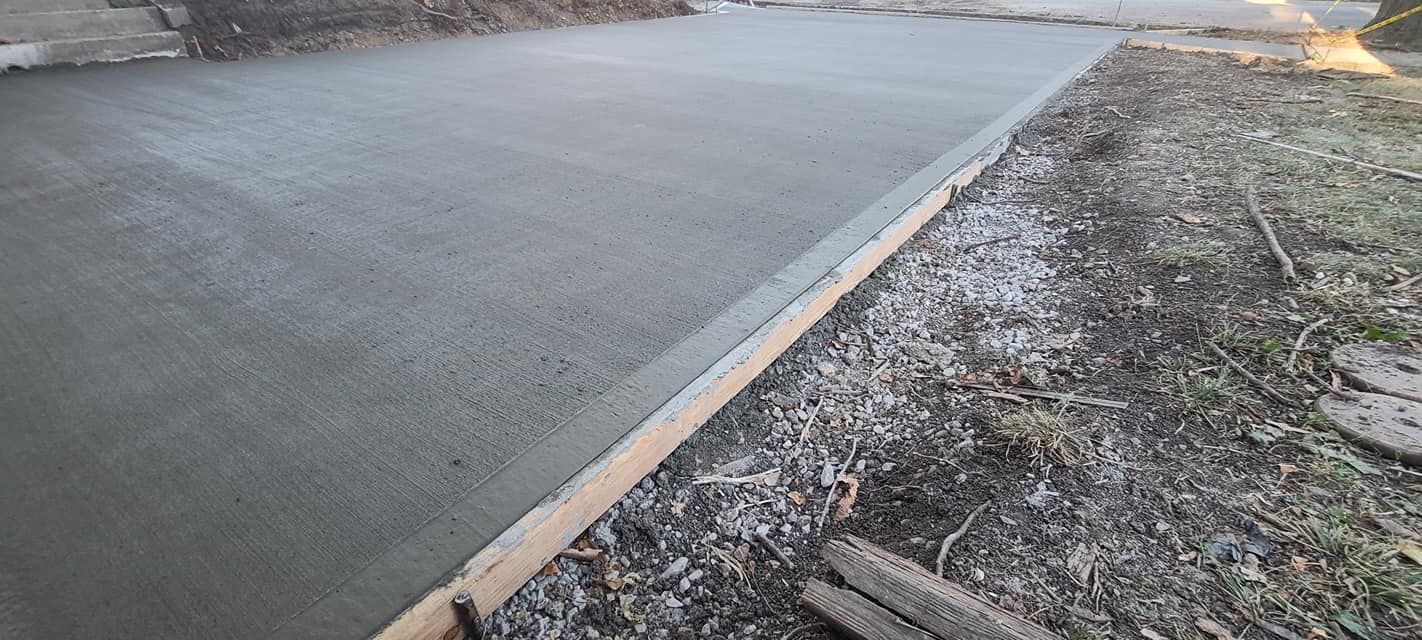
(1379, 96)
(985, 243)
(824, 513)
(1118, 113)
(432, 11)
(1254, 380)
(581, 555)
(1049, 395)
(1286, 264)
(1093, 134)
(853, 448)
(1298, 343)
(1337, 391)
(769, 476)
(806, 429)
(798, 630)
(1405, 283)
(952, 538)
(1304, 100)
(1401, 173)
(774, 550)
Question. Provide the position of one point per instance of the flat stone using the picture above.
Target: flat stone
(1385, 424)
(1391, 369)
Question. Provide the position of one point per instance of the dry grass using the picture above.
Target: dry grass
(1043, 435)
(1207, 253)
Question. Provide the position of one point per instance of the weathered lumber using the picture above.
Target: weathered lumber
(942, 608)
(856, 616)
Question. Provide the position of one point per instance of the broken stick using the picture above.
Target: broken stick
(1405, 283)
(1299, 342)
(952, 538)
(764, 541)
(1400, 173)
(1263, 386)
(1286, 264)
(1049, 395)
(1378, 96)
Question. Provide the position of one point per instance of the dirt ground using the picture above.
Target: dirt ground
(232, 29)
(1099, 257)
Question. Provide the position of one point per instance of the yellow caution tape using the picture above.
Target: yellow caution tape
(1391, 20)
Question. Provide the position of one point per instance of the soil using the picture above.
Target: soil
(1201, 508)
(233, 29)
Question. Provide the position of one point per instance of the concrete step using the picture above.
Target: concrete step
(46, 6)
(72, 25)
(163, 44)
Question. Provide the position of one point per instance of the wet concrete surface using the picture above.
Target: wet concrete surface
(286, 340)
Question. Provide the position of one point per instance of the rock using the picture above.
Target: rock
(825, 369)
(827, 475)
(1382, 368)
(1388, 425)
(695, 575)
(682, 586)
(676, 568)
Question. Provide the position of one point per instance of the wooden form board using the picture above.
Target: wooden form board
(501, 568)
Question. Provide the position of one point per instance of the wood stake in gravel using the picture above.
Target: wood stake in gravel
(952, 538)
(1286, 264)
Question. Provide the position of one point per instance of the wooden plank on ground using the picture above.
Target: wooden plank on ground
(929, 602)
(856, 616)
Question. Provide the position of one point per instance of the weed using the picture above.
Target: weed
(1211, 389)
(1363, 582)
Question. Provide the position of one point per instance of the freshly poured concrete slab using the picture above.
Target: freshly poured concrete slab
(286, 340)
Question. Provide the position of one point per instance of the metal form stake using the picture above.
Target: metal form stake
(468, 614)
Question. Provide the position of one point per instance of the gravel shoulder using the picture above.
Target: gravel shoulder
(1102, 256)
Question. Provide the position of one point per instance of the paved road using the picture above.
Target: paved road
(287, 339)
(1273, 15)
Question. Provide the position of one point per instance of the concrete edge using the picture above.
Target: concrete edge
(498, 570)
(84, 51)
(1239, 54)
(1321, 59)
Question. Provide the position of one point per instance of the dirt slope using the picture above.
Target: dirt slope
(232, 29)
